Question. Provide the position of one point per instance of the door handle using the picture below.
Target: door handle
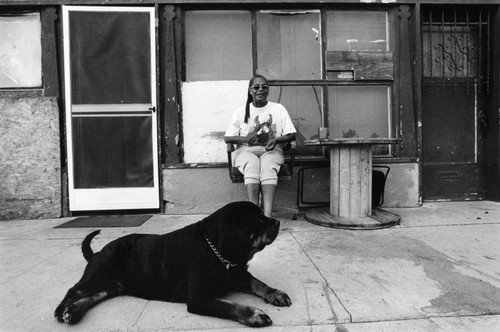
(153, 109)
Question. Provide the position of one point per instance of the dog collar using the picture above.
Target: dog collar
(224, 261)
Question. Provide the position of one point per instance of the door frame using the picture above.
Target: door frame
(111, 198)
(478, 84)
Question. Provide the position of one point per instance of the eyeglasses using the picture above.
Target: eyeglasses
(256, 87)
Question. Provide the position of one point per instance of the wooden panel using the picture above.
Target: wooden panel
(406, 82)
(365, 64)
(379, 219)
(344, 162)
(353, 140)
(351, 178)
(30, 161)
(334, 179)
(366, 180)
(170, 117)
(354, 182)
(49, 49)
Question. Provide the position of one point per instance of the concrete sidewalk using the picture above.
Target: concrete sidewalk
(438, 271)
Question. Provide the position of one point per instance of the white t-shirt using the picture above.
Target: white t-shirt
(267, 122)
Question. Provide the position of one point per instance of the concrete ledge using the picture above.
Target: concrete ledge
(203, 190)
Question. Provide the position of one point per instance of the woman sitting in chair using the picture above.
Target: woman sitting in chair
(260, 129)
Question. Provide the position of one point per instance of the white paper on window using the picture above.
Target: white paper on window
(20, 51)
(207, 109)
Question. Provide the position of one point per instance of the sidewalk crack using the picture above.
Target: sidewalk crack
(326, 285)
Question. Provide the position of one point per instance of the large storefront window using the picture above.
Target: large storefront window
(319, 76)
(20, 51)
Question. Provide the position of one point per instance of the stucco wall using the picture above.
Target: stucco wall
(203, 190)
(30, 164)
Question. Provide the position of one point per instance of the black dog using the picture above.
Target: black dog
(196, 265)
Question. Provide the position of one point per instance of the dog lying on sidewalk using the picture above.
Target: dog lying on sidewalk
(196, 265)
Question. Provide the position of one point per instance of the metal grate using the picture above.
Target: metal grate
(456, 46)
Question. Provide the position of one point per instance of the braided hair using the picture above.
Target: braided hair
(249, 96)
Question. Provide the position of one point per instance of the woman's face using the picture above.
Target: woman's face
(259, 90)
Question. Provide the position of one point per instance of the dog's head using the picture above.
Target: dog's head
(239, 230)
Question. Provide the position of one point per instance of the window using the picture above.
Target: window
(288, 44)
(20, 51)
(360, 111)
(358, 49)
(340, 78)
(304, 104)
(218, 45)
(357, 30)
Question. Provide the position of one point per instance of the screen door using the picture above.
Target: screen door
(110, 99)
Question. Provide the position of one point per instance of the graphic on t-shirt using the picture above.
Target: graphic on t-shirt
(264, 131)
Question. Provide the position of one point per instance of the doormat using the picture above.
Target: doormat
(106, 221)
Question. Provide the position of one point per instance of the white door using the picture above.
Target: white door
(110, 101)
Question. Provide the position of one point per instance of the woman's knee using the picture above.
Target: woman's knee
(249, 165)
(270, 166)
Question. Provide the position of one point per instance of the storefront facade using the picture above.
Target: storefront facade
(123, 106)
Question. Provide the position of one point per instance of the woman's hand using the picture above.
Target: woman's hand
(251, 138)
(271, 144)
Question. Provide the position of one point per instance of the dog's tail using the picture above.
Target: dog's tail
(86, 249)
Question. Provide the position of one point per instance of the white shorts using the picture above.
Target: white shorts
(258, 165)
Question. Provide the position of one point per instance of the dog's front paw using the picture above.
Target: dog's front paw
(278, 298)
(255, 317)
(59, 313)
(72, 314)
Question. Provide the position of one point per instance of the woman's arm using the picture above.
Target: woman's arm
(282, 139)
(249, 139)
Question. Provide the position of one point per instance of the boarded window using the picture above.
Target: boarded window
(20, 51)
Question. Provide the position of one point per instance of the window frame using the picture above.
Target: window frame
(20, 15)
(50, 55)
(323, 82)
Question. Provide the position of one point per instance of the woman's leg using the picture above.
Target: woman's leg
(249, 165)
(268, 193)
(253, 191)
(270, 162)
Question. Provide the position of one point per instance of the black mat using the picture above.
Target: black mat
(106, 221)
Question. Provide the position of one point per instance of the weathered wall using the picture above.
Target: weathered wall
(203, 190)
(198, 190)
(30, 158)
